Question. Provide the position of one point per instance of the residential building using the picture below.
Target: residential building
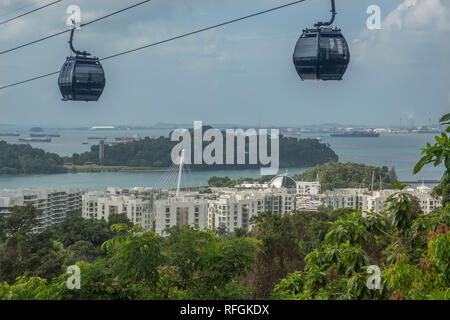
(233, 208)
(55, 204)
(187, 209)
(305, 187)
(345, 198)
(100, 205)
(377, 200)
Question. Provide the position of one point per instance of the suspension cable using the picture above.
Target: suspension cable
(166, 40)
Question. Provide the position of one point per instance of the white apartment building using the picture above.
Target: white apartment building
(345, 198)
(234, 208)
(305, 187)
(100, 205)
(55, 204)
(377, 200)
(188, 209)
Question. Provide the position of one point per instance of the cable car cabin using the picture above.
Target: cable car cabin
(81, 79)
(321, 54)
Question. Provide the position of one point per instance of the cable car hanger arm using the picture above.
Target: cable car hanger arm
(78, 53)
(333, 15)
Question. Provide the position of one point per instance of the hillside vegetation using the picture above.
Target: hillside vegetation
(23, 159)
(335, 174)
(157, 153)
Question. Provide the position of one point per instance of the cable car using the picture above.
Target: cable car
(322, 53)
(81, 78)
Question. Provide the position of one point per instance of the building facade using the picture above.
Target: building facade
(100, 205)
(55, 204)
(233, 209)
(363, 199)
(309, 188)
(180, 211)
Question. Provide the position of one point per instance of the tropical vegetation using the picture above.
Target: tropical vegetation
(335, 174)
(23, 159)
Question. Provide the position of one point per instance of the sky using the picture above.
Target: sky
(241, 73)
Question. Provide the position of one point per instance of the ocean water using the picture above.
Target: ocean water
(401, 151)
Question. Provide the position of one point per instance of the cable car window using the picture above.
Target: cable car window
(332, 48)
(89, 74)
(306, 47)
(339, 45)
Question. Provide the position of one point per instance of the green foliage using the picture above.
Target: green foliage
(136, 255)
(77, 228)
(349, 230)
(400, 207)
(413, 267)
(437, 154)
(334, 175)
(205, 264)
(19, 222)
(285, 243)
(23, 159)
(290, 287)
(33, 288)
(150, 152)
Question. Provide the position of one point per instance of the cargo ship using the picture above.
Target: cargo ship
(42, 135)
(47, 139)
(97, 138)
(10, 134)
(291, 134)
(356, 134)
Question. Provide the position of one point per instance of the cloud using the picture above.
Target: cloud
(407, 35)
(420, 15)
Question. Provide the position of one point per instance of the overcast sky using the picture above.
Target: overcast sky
(241, 73)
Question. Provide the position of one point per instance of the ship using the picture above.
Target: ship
(291, 133)
(41, 135)
(10, 134)
(47, 139)
(356, 134)
(97, 138)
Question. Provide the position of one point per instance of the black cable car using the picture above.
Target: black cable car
(322, 53)
(81, 78)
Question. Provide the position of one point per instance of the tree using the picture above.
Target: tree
(437, 154)
(20, 159)
(401, 209)
(20, 221)
(334, 175)
(221, 230)
(77, 228)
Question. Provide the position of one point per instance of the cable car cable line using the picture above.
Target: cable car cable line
(31, 11)
(82, 25)
(201, 30)
(165, 41)
(21, 8)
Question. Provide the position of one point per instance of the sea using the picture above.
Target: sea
(400, 151)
